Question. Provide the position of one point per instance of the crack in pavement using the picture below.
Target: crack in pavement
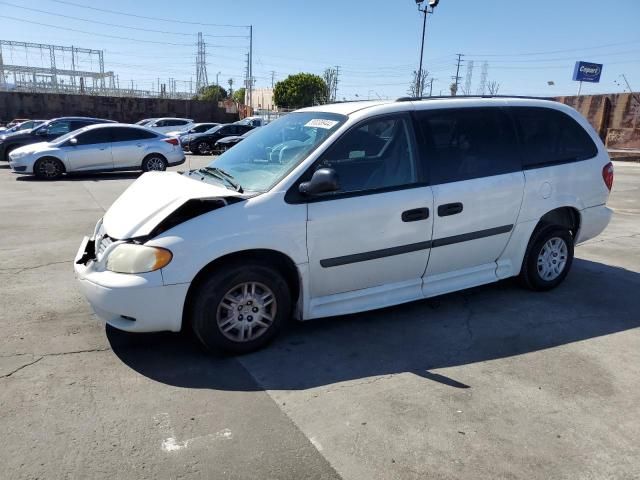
(24, 269)
(21, 367)
(41, 356)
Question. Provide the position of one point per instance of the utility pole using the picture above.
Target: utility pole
(250, 86)
(433, 4)
(634, 96)
(431, 87)
(273, 78)
(335, 93)
(457, 77)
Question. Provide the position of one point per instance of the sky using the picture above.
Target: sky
(375, 43)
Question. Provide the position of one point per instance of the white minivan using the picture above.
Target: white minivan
(350, 207)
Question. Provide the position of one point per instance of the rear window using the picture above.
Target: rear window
(550, 137)
(466, 143)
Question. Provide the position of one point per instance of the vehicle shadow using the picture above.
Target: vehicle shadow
(74, 177)
(485, 323)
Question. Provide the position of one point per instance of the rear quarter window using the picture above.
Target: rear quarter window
(551, 137)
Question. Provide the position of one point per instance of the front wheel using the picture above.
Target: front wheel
(202, 148)
(548, 259)
(48, 168)
(241, 308)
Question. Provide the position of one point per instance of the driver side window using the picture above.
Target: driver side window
(377, 154)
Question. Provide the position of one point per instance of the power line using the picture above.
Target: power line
(47, 12)
(554, 51)
(129, 39)
(159, 19)
(94, 33)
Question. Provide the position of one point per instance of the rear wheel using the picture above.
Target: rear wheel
(8, 151)
(241, 308)
(48, 168)
(548, 259)
(154, 163)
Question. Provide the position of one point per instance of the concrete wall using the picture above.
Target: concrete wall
(616, 117)
(122, 109)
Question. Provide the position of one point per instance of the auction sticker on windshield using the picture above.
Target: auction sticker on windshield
(321, 123)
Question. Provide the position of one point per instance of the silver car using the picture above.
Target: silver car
(102, 147)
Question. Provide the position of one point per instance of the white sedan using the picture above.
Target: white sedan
(103, 147)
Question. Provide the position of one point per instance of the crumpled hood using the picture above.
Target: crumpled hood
(153, 197)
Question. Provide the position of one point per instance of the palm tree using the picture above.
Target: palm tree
(230, 82)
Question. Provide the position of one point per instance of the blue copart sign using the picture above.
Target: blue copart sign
(587, 72)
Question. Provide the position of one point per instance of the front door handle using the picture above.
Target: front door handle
(450, 209)
(415, 215)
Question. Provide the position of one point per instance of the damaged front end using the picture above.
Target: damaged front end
(100, 244)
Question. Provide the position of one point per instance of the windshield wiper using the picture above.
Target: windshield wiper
(224, 176)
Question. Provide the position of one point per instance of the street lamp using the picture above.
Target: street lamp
(431, 4)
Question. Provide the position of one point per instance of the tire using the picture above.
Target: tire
(548, 259)
(8, 151)
(202, 148)
(48, 168)
(154, 162)
(223, 320)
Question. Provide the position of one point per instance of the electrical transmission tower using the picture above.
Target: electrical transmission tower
(482, 89)
(201, 64)
(468, 78)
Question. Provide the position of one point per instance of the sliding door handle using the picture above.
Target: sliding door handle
(415, 215)
(450, 209)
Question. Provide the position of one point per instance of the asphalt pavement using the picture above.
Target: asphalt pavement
(493, 382)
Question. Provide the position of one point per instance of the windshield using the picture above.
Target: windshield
(214, 129)
(41, 126)
(144, 122)
(266, 157)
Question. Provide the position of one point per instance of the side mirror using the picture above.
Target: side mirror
(43, 132)
(73, 141)
(324, 180)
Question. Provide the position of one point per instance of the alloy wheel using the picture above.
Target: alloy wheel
(246, 311)
(552, 259)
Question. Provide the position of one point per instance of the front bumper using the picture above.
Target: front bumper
(133, 303)
(20, 166)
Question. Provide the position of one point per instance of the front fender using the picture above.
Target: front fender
(263, 222)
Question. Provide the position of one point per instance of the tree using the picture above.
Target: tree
(230, 82)
(454, 89)
(239, 95)
(414, 91)
(212, 93)
(330, 77)
(493, 87)
(300, 90)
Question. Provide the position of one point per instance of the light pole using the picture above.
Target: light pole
(431, 4)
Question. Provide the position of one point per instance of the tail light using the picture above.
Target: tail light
(172, 141)
(607, 175)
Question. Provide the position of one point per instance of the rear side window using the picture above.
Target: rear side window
(99, 135)
(466, 143)
(549, 137)
(129, 134)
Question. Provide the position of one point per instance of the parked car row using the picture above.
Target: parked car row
(51, 148)
(19, 125)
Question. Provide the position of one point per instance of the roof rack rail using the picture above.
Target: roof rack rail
(448, 97)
